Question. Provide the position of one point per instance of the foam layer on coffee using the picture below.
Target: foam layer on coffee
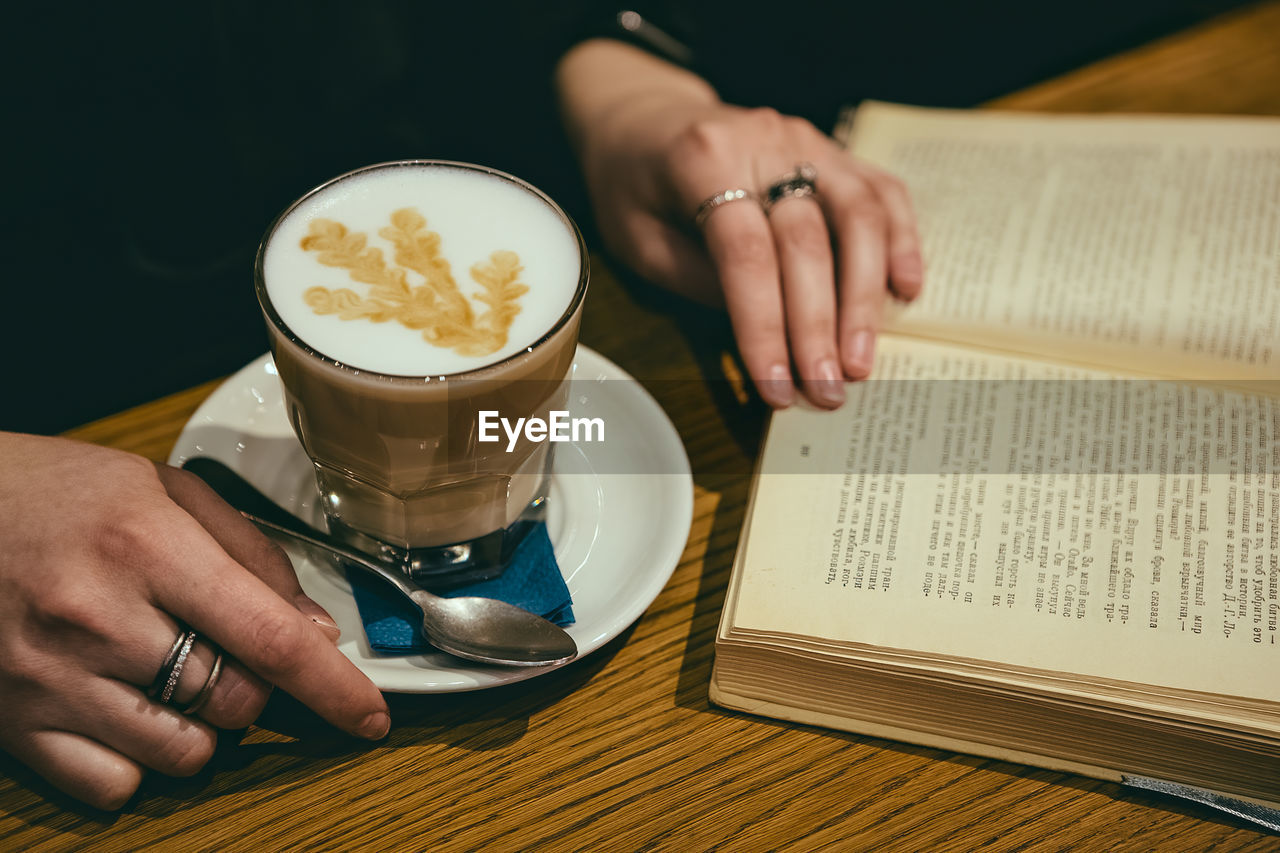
(403, 318)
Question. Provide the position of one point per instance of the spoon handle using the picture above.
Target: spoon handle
(410, 589)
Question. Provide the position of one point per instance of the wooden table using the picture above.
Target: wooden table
(622, 750)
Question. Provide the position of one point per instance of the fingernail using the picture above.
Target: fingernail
(778, 390)
(375, 726)
(317, 614)
(829, 387)
(861, 353)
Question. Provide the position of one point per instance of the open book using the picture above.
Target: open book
(1047, 529)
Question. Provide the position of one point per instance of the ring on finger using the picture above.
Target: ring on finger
(166, 680)
(710, 203)
(801, 182)
(206, 689)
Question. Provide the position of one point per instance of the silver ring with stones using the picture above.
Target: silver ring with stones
(166, 680)
(802, 182)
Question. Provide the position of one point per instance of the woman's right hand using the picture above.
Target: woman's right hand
(102, 556)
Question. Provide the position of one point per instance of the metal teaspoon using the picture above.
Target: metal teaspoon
(478, 629)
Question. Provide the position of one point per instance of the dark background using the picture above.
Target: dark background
(150, 145)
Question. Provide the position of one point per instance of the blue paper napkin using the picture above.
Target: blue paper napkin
(532, 581)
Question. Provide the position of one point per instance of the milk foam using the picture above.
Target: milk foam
(475, 214)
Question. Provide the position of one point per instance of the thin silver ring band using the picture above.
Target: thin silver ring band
(206, 690)
(723, 197)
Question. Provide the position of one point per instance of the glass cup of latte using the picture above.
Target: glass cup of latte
(405, 302)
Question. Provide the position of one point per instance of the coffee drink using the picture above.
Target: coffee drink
(402, 300)
(394, 269)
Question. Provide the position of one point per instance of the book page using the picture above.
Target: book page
(991, 508)
(1152, 242)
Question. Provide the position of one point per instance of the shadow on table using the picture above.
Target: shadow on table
(479, 721)
(722, 444)
(722, 453)
(989, 810)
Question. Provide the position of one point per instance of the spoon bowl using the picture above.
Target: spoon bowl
(492, 631)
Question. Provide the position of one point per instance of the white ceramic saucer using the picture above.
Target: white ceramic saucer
(617, 536)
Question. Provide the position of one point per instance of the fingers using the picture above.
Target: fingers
(861, 226)
(741, 245)
(243, 542)
(80, 767)
(153, 735)
(137, 649)
(804, 254)
(791, 298)
(236, 696)
(239, 612)
(89, 616)
(905, 262)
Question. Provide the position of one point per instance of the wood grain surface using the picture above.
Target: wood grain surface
(622, 751)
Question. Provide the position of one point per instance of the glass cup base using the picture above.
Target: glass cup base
(440, 568)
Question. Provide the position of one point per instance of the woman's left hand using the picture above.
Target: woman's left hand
(804, 278)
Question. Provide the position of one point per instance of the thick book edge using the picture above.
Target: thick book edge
(931, 740)
(919, 738)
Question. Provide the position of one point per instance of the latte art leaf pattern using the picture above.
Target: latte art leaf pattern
(436, 307)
